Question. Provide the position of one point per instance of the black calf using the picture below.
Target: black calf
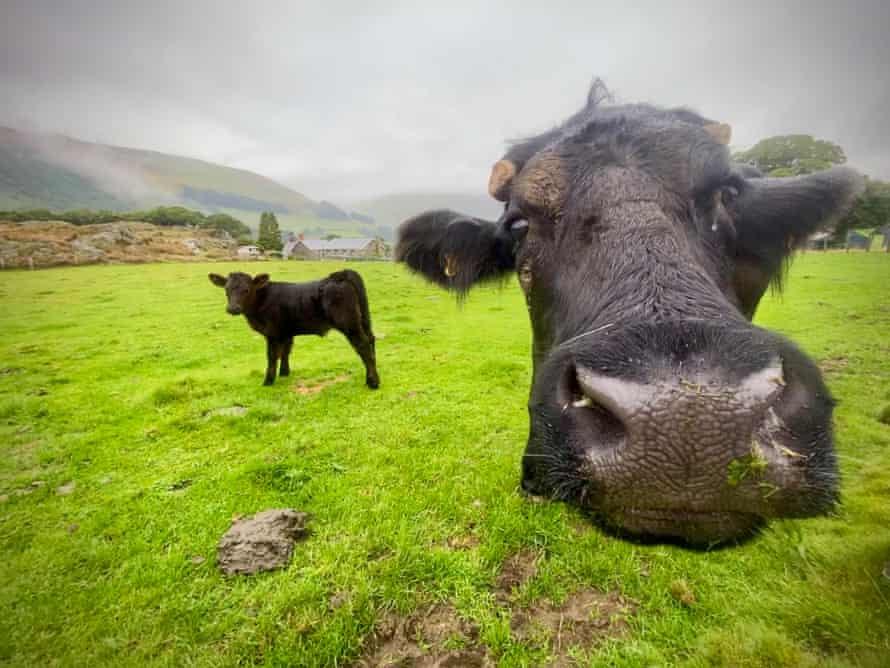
(281, 311)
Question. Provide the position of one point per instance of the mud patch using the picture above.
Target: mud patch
(682, 593)
(467, 541)
(515, 572)
(179, 485)
(307, 389)
(228, 411)
(434, 636)
(584, 620)
(66, 489)
(834, 364)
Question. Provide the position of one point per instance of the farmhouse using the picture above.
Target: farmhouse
(340, 249)
(819, 241)
(249, 251)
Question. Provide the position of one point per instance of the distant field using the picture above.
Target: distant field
(118, 476)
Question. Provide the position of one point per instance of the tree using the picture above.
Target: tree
(872, 211)
(270, 234)
(331, 237)
(791, 155)
(223, 221)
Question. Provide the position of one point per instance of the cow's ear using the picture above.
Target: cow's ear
(218, 280)
(775, 216)
(454, 250)
(260, 281)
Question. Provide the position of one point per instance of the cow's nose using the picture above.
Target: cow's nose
(234, 310)
(702, 406)
(691, 425)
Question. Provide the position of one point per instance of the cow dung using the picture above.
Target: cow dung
(262, 542)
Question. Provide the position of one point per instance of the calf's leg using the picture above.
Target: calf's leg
(364, 346)
(273, 350)
(285, 357)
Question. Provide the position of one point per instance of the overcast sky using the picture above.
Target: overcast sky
(343, 100)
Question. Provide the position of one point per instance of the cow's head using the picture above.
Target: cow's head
(240, 288)
(643, 253)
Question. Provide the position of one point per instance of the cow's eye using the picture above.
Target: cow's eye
(728, 194)
(518, 228)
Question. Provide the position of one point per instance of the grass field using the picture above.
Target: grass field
(119, 473)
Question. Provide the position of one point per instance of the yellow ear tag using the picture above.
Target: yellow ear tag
(450, 266)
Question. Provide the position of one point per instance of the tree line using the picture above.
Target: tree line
(167, 216)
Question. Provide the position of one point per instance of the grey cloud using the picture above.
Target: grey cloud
(347, 100)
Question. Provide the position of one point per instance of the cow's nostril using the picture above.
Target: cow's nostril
(597, 419)
(621, 398)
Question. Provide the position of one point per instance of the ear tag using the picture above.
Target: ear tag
(450, 266)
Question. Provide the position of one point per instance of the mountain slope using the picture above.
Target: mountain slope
(392, 210)
(60, 173)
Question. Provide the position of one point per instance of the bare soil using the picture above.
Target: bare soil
(307, 389)
(434, 636)
(585, 619)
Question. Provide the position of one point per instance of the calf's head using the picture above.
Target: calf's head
(241, 289)
(643, 252)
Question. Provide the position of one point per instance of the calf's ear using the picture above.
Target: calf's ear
(260, 281)
(775, 216)
(454, 250)
(217, 280)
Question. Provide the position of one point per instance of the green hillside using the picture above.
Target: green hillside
(59, 173)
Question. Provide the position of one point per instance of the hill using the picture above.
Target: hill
(391, 210)
(60, 173)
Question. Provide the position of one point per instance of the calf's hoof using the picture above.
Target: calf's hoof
(284, 372)
(269, 381)
(373, 383)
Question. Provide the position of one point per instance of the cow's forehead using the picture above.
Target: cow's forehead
(669, 147)
(237, 277)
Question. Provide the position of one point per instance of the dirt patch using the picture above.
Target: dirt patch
(465, 542)
(834, 364)
(29, 489)
(515, 572)
(338, 600)
(263, 542)
(179, 485)
(585, 619)
(682, 593)
(24, 455)
(306, 389)
(434, 636)
(229, 411)
(66, 489)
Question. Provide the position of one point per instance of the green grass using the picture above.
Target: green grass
(110, 376)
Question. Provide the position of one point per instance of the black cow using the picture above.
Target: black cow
(643, 253)
(281, 311)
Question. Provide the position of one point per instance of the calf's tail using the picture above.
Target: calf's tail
(355, 280)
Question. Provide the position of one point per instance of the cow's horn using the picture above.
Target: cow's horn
(501, 175)
(721, 132)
